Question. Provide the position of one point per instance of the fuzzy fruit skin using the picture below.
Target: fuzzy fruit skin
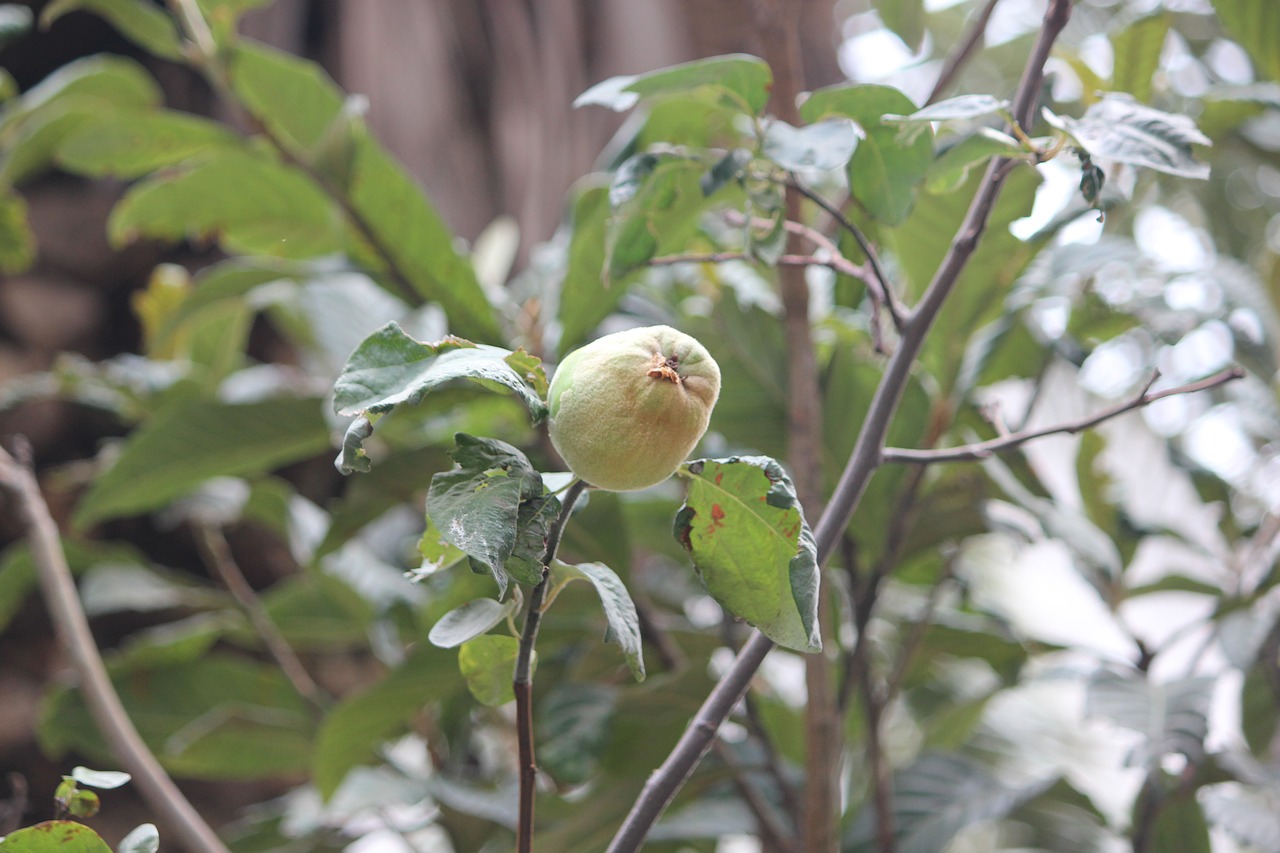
(628, 408)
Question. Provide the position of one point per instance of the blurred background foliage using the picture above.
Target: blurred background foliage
(1073, 646)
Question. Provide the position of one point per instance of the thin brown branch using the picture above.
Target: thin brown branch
(962, 52)
(72, 626)
(216, 553)
(662, 785)
(522, 681)
(985, 449)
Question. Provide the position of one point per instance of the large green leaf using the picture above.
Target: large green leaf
(619, 609)
(189, 442)
(1137, 51)
(246, 202)
(1121, 129)
(359, 724)
(217, 717)
(737, 78)
(1255, 25)
(886, 168)
(143, 23)
(129, 145)
(752, 547)
(293, 98)
(494, 507)
(54, 836)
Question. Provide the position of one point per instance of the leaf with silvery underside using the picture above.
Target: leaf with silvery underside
(619, 609)
(1173, 716)
(740, 79)
(1120, 129)
(744, 528)
(469, 621)
(826, 145)
(493, 507)
(959, 108)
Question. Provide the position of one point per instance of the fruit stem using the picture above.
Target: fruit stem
(522, 682)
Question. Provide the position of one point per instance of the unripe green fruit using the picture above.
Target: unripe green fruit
(628, 408)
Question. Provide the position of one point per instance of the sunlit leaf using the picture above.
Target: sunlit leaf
(104, 779)
(1172, 716)
(826, 145)
(488, 664)
(752, 547)
(469, 621)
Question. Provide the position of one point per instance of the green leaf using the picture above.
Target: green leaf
(469, 621)
(359, 724)
(492, 505)
(737, 78)
(17, 243)
(103, 779)
(390, 369)
(245, 202)
(619, 609)
(411, 239)
(573, 727)
(189, 442)
(81, 804)
(951, 169)
(1254, 24)
(293, 98)
(959, 108)
(752, 547)
(1173, 716)
(217, 717)
(885, 169)
(144, 838)
(586, 297)
(129, 145)
(826, 145)
(1137, 50)
(904, 18)
(54, 836)
(142, 23)
(1180, 825)
(488, 664)
(1121, 129)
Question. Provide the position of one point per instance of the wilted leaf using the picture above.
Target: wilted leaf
(1119, 128)
(619, 609)
(744, 528)
(483, 507)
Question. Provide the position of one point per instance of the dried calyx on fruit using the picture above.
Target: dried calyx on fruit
(629, 407)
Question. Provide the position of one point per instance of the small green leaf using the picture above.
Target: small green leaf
(658, 217)
(884, 171)
(144, 838)
(738, 78)
(959, 108)
(950, 170)
(488, 664)
(492, 505)
(103, 779)
(437, 554)
(469, 621)
(82, 804)
(1137, 50)
(17, 243)
(142, 23)
(905, 19)
(189, 442)
(1121, 129)
(54, 836)
(826, 145)
(246, 202)
(129, 145)
(390, 369)
(752, 547)
(1255, 25)
(619, 609)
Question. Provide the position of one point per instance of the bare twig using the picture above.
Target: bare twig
(522, 681)
(865, 459)
(216, 552)
(962, 52)
(72, 625)
(985, 449)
